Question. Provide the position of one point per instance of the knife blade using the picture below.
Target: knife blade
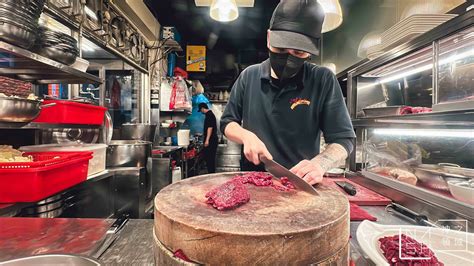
(110, 236)
(280, 171)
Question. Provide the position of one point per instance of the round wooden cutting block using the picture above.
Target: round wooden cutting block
(273, 228)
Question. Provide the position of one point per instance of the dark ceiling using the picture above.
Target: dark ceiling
(196, 27)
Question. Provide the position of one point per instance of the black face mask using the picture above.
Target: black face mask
(285, 65)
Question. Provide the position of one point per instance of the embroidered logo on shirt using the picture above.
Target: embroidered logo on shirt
(298, 101)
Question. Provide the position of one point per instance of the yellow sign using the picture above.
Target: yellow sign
(196, 58)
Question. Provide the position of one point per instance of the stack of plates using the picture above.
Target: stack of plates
(410, 27)
(57, 46)
(370, 45)
(19, 21)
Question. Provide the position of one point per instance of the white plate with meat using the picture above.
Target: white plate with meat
(450, 247)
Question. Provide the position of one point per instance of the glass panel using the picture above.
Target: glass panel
(456, 67)
(406, 81)
(404, 154)
(120, 94)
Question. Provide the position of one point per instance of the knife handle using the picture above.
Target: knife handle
(118, 224)
(347, 187)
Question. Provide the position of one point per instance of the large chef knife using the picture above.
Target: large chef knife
(280, 171)
(110, 236)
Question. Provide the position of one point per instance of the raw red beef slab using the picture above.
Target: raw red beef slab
(234, 193)
(180, 255)
(228, 195)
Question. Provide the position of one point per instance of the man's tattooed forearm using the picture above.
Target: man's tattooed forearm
(329, 157)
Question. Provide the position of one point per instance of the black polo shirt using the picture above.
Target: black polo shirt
(210, 121)
(289, 119)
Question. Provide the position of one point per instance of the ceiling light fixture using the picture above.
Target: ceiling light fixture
(333, 14)
(224, 10)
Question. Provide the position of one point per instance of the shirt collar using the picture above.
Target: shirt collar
(265, 69)
(265, 73)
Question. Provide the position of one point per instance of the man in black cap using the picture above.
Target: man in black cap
(279, 108)
(210, 137)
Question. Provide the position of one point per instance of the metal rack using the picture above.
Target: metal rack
(33, 125)
(432, 204)
(21, 64)
(449, 119)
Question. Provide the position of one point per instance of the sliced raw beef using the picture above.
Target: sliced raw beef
(415, 110)
(228, 195)
(408, 252)
(284, 181)
(259, 179)
(280, 188)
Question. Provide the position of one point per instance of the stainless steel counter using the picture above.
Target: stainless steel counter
(134, 246)
(383, 217)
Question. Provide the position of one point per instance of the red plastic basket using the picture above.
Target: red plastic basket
(67, 112)
(50, 173)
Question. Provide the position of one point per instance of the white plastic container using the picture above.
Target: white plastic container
(176, 175)
(96, 164)
(183, 137)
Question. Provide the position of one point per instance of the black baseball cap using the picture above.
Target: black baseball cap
(202, 105)
(297, 24)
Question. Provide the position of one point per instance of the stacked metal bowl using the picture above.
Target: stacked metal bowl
(19, 21)
(57, 46)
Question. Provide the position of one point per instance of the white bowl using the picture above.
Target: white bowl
(165, 124)
(461, 193)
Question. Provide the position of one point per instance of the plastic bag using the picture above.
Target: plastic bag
(393, 159)
(392, 153)
(180, 96)
(196, 119)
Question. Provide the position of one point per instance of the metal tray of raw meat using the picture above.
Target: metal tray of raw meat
(383, 111)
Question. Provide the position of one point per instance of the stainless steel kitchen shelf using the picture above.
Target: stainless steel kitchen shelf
(43, 126)
(452, 119)
(441, 201)
(21, 64)
(176, 111)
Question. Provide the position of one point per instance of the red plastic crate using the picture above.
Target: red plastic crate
(50, 173)
(67, 112)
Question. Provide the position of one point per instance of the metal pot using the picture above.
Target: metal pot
(19, 110)
(17, 35)
(145, 132)
(128, 153)
(57, 55)
(47, 208)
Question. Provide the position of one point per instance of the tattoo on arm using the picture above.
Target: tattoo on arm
(330, 156)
